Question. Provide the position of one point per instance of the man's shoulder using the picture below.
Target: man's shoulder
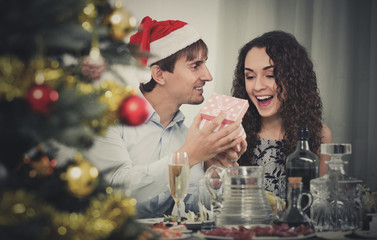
(123, 129)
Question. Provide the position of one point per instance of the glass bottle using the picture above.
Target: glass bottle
(294, 215)
(336, 197)
(302, 162)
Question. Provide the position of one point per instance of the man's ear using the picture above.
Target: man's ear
(158, 75)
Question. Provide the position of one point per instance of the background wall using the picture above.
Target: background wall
(340, 36)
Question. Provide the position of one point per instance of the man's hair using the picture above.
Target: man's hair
(167, 64)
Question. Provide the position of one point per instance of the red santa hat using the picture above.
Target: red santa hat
(160, 39)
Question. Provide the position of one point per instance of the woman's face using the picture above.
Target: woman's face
(260, 82)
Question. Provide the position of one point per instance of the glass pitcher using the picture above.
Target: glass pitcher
(238, 196)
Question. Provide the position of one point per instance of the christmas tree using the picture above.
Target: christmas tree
(52, 58)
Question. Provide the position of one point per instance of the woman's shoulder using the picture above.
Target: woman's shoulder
(326, 134)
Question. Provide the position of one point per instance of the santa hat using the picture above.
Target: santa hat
(160, 39)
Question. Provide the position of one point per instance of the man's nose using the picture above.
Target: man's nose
(206, 75)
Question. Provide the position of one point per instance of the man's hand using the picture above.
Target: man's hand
(228, 158)
(204, 144)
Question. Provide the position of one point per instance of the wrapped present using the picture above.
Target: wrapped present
(235, 109)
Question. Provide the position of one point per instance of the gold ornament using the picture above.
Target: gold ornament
(81, 177)
(12, 84)
(16, 77)
(109, 93)
(112, 96)
(120, 21)
(42, 71)
(87, 16)
(105, 214)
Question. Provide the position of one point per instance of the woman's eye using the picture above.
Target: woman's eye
(250, 77)
(270, 76)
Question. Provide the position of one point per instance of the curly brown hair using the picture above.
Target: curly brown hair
(293, 71)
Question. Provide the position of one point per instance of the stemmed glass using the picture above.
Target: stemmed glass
(205, 205)
(179, 172)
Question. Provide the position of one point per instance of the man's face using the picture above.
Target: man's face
(185, 84)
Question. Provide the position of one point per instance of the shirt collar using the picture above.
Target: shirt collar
(178, 118)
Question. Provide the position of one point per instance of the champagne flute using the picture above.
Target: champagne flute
(179, 172)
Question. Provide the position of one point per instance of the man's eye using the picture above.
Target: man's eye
(194, 66)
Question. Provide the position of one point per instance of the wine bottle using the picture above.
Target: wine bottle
(302, 162)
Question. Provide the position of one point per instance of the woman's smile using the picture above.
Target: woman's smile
(264, 100)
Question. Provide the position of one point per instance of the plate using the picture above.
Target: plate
(332, 235)
(201, 235)
(150, 220)
(184, 236)
(284, 238)
(194, 226)
(261, 237)
(366, 234)
(182, 228)
(217, 237)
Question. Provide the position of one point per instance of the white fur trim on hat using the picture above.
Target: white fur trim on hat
(172, 43)
(143, 75)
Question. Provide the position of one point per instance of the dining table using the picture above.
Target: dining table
(198, 231)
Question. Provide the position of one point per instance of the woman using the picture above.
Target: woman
(276, 75)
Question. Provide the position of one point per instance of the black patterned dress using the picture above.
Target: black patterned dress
(270, 154)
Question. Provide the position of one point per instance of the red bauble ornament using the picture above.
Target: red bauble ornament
(133, 111)
(41, 98)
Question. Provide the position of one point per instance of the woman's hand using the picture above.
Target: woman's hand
(204, 144)
(228, 158)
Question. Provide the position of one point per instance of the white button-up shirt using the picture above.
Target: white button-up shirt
(135, 160)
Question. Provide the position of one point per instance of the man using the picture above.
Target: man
(135, 159)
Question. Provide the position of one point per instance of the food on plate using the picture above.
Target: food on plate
(187, 217)
(166, 231)
(277, 204)
(241, 232)
(172, 218)
(283, 230)
(181, 228)
(235, 233)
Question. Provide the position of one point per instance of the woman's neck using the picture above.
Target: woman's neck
(272, 128)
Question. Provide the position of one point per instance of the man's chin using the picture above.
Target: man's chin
(196, 101)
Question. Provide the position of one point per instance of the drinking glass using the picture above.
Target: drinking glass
(205, 205)
(179, 172)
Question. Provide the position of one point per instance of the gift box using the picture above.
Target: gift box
(235, 109)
